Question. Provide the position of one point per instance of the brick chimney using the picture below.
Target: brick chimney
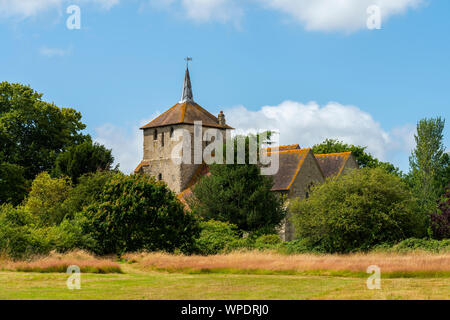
(221, 118)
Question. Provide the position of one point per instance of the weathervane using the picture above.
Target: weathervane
(187, 61)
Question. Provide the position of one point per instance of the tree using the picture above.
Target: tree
(13, 185)
(46, 199)
(34, 132)
(239, 194)
(364, 159)
(357, 211)
(138, 213)
(430, 165)
(440, 220)
(84, 158)
(88, 190)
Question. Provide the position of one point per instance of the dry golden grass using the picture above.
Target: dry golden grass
(56, 262)
(416, 262)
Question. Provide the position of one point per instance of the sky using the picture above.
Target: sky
(309, 69)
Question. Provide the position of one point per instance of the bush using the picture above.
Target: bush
(46, 199)
(136, 213)
(19, 236)
(440, 220)
(365, 208)
(414, 244)
(215, 236)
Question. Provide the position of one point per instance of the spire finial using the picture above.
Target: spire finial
(187, 87)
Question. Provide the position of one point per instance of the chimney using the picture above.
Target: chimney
(221, 118)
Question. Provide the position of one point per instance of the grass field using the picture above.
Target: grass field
(139, 279)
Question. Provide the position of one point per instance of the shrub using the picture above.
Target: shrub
(19, 236)
(46, 198)
(414, 244)
(215, 236)
(358, 211)
(137, 213)
(440, 220)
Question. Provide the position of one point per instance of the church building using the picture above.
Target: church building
(299, 169)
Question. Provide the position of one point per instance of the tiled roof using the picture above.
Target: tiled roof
(332, 164)
(186, 113)
(203, 170)
(142, 164)
(291, 162)
(283, 148)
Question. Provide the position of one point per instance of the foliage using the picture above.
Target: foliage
(440, 220)
(215, 236)
(364, 159)
(13, 185)
(46, 199)
(19, 235)
(357, 211)
(137, 213)
(86, 192)
(414, 244)
(32, 131)
(238, 194)
(84, 158)
(430, 165)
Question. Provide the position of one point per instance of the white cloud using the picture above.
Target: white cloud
(29, 8)
(338, 15)
(54, 52)
(309, 124)
(203, 10)
(305, 124)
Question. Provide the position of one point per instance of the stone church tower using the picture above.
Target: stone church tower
(160, 140)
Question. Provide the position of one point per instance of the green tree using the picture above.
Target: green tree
(429, 164)
(13, 185)
(34, 132)
(358, 211)
(46, 198)
(84, 158)
(138, 213)
(88, 190)
(364, 159)
(239, 194)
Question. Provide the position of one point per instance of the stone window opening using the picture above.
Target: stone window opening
(171, 132)
(159, 177)
(162, 139)
(155, 134)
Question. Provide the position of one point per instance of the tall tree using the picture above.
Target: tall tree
(429, 163)
(239, 194)
(34, 132)
(84, 158)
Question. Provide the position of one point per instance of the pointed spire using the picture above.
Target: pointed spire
(187, 87)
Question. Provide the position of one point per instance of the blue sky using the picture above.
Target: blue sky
(310, 69)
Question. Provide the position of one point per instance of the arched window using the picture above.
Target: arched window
(155, 135)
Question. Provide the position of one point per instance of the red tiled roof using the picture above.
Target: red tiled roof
(332, 164)
(291, 162)
(186, 113)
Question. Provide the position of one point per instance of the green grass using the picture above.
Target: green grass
(137, 284)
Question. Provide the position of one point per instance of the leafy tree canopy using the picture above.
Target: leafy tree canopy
(365, 208)
(239, 194)
(34, 132)
(86, 157)
(430, 165)
(138, 213)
